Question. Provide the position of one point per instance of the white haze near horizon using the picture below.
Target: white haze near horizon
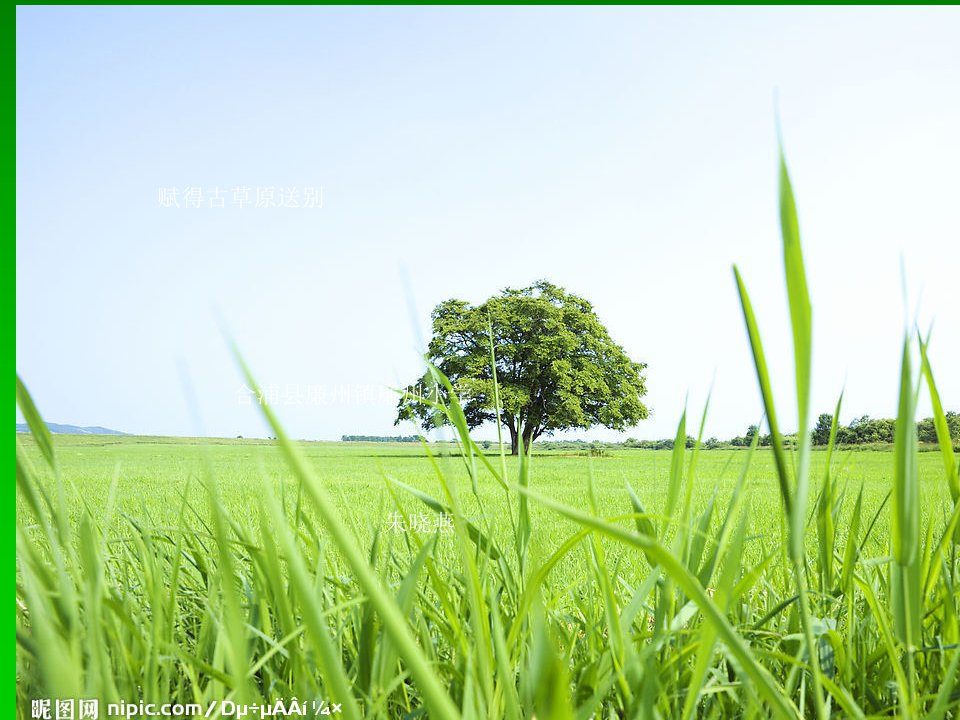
(626, 154)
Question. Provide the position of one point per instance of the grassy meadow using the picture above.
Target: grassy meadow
(161, 625)
(154, 474)
(443, 582)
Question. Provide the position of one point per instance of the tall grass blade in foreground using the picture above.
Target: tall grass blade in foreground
(794, 494)
(434, 695)
(905, 525)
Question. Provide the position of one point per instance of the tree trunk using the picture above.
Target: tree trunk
(527, 439)
(514, 440)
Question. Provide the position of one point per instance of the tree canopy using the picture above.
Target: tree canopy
(557, 367)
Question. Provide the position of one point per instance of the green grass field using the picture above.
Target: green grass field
(153, 473)
(147, 503)
(391, 581)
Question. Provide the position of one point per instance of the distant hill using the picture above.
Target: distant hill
(73, 429)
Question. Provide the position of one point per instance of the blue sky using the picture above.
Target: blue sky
(627, 154)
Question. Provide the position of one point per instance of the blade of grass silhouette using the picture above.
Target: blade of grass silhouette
(905, 522)
(763, 378)
(737, 646)
(440, 704)
(940, 423)
(38, 428)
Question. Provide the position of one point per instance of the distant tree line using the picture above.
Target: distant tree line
(379, 438)
(863, 430)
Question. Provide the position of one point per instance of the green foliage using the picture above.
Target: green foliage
(555, 366)
(156, 504)
(928, 432)
(821, 431)
(865, 430)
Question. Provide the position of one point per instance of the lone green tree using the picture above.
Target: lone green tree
(821, 433)
(556, 366)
